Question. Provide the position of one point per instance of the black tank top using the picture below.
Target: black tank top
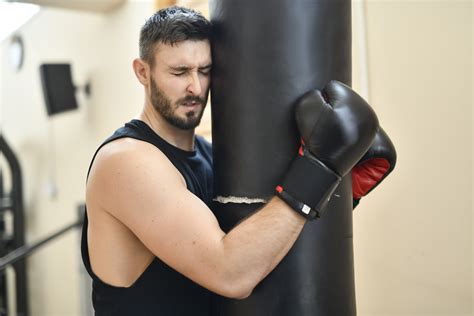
(160, 290)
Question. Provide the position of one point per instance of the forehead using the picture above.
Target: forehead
(185, 53)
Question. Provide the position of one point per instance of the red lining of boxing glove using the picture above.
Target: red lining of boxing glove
(366, 175)
(301, 150)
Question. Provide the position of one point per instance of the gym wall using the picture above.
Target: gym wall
(100, 48)
(413, 240)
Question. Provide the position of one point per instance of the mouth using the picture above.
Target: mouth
(191, 104)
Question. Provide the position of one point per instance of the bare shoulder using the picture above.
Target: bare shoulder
(126, 168)
(126, 153)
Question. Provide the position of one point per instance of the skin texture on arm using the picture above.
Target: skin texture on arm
(137, 185)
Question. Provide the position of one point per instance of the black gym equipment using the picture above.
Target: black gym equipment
(267, 54)
(13, 249)
(59, 95)
(11, 206)
(26, 250)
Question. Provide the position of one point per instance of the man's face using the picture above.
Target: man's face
(179, 83)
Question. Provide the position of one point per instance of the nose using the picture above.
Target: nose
(194, 86)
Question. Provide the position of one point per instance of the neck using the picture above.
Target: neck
(183, 139)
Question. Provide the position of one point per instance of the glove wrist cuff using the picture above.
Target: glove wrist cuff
(308, 185)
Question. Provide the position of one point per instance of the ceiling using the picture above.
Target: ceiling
(99, 6)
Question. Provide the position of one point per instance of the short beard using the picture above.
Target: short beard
(162, 104)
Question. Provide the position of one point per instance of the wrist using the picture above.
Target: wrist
(308, 185)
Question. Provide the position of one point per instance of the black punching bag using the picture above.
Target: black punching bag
(266, 54)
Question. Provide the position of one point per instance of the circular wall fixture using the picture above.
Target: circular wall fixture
(16, 52)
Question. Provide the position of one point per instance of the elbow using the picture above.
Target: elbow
(235, 291)
(233, 281)
(243, 294)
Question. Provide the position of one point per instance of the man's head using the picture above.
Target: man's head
(170, 26)
(174, 64)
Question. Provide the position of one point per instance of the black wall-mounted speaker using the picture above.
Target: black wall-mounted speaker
(58, 88)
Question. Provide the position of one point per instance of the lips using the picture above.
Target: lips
(191, 103)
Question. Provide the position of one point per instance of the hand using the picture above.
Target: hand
(337, 127)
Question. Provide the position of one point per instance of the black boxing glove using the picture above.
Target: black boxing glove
(376, 164)
(337, 127)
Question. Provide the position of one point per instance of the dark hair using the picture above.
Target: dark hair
(170, 26)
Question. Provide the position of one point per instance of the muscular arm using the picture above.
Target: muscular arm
(137, 184)
(258, 244)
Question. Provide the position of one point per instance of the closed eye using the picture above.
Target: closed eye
(206, 70)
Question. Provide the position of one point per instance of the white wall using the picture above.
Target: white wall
(412, 236)
(100, 48)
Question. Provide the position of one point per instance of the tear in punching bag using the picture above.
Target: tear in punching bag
(266, 54)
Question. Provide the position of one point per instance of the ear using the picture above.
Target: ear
(142, 71)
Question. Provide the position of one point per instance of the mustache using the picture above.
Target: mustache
(191, 98)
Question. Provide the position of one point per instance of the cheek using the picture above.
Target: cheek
(172, 87)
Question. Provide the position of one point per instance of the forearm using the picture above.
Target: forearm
(254, 247)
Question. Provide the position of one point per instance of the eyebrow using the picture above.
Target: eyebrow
(186, 68)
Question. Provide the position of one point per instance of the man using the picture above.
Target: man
(150, 241)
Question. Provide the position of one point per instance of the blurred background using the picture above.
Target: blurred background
(412, 59)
